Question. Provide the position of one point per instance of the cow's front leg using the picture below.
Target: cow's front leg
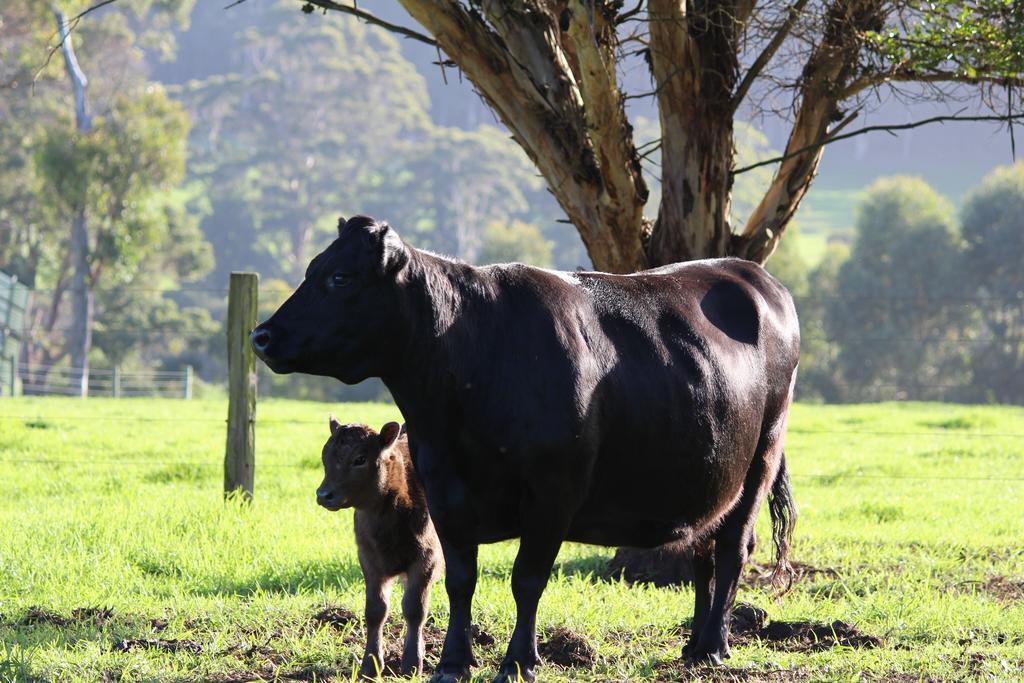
(538, 549)
(460, 583)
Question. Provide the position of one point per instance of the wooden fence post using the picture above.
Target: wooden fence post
(116, 389)
(188, 383)
(240, 457)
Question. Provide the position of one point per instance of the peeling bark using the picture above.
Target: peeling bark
(694, 64)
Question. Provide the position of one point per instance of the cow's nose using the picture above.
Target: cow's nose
(260, 339)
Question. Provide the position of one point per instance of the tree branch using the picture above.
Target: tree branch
(829, 70)
(369, 18)
(769, 51)
(904, 75)
(605, 115)
(1004, 118)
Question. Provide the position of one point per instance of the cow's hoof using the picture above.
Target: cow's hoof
(450, 675)
(699, 656)
(511, 673)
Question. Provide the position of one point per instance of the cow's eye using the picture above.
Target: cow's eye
(340, 279)
(359, 461)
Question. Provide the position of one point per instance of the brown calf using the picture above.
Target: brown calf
(373, 473)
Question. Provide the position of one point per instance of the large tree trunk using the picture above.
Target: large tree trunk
(80, 334)
(694, 65)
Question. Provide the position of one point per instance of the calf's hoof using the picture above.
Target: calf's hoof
(450, 675)
(371, 669)
(412, 667)
(510, 672)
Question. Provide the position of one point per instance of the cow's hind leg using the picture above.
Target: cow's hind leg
(732, 546)
(703, 576)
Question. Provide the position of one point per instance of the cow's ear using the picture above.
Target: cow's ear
(335, 425)
(389, 435)
(341, 225)
(393, 254)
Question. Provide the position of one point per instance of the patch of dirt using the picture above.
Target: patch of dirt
(197, 622)
(481, 637)
(564, 647)
(808, 636)
(760, 575)
(1002, 588)
(158, 624)
(264, 652)
(235, 677)
(99, 616)
(747, 618)
(38, 615)
(678, 670)
(305, 673)
(338, 617)
(128, 645)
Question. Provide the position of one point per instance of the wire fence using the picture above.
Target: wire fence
(46, 380)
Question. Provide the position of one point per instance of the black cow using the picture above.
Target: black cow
(607, 409)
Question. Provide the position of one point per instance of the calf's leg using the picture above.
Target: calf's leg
(460, 583)
(378, 597)
(415, 606)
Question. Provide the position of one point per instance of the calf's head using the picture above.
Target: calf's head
(343, 320)
(356, 460)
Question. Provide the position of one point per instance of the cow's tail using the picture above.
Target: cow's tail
(783, 513)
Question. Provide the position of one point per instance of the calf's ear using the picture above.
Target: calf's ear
(389, 435)
(341, 224)
(335, 425)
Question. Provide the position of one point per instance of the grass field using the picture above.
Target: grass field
(119, 560)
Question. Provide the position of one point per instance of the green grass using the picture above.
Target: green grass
(912, 508)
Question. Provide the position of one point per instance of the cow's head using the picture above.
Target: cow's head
(343, 319)
(356, 460)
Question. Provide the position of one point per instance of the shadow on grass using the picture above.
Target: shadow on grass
(301, 578)
(594, 568)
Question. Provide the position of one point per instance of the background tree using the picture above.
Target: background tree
(550, 71)
(898, 307)
(291, 129)
(993, 229)
(515, 242)
(462, 182)
(117, 180)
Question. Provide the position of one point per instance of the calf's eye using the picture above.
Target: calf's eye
(359, 461)
(340, 279)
